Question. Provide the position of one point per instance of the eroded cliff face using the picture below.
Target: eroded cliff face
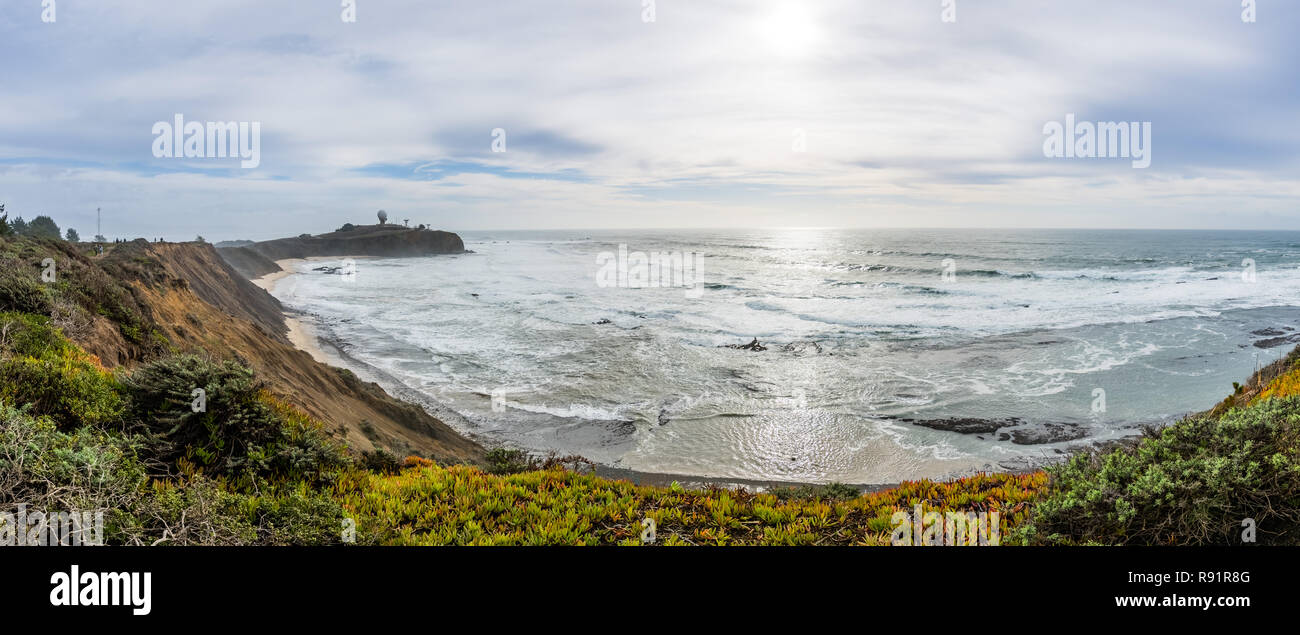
(190, 300)
(393, 241)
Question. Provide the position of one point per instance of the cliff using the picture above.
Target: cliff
(139, 301)
(258, 259)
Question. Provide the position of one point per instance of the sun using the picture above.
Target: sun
(788, 29)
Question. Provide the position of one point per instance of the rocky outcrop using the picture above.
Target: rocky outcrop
(393, 241)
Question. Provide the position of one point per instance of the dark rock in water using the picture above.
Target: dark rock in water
(1269, 332)
(752, 346)
(330, 270)
(965, 425)
(603, 321)
(1274, 342)
(663, 416)
(1047, 433)
(801, 347)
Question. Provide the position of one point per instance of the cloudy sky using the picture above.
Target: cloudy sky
(852, 113)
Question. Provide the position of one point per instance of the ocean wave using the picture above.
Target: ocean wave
(572, 411)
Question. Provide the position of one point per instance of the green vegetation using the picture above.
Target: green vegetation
(44, 371)
(219, 417)
(183, 449)
(76, 289)
(427, 504)
(1191, 483)
(43, 227)
(830, 491)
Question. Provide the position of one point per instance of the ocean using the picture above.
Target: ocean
(887, 354)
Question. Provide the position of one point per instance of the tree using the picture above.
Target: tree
(347, 227)
(383, 217)
(19, 226)
(199, 239)
(5, 229)
(44, 227)
(99, 238)
(73, 236)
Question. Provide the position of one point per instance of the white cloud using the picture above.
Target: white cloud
(687, 120)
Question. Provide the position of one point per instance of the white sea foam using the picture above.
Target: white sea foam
(1031, 324)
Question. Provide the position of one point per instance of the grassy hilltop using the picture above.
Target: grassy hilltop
(254, 466)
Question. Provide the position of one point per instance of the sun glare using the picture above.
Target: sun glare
(788, 29)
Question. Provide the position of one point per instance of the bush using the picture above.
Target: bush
(507, 461)
(381, 461)
(203, 511)
(52, 471)
(20, 287)
(830, 491)
(1194, 482)
(241, 432)
(41, 369)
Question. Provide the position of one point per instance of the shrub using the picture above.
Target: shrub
(40, 368)
(20, 287)
(381, 461)
(507, 461)
(830, 491)
(199, 510)
(1194, 482)
(241, 432)
(86, 470)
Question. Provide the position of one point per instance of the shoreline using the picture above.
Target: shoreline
(301, 333)
(304, 336)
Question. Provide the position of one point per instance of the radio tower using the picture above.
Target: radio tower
(99, 224)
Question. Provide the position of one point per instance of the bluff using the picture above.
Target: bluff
(258, 259)
(139, 301)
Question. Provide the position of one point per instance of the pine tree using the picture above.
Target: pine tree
(44, 227)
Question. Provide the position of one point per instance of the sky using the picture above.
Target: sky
(617, 114)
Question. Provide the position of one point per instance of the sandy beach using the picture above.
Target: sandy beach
(301, 333)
